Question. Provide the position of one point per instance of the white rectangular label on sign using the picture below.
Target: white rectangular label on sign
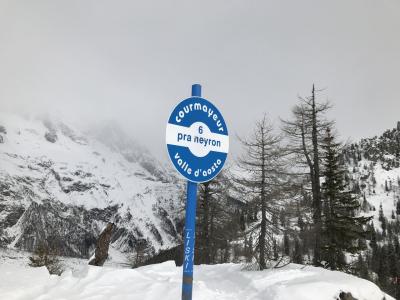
(198, 138)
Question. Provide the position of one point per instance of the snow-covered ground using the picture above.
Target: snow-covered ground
(163, 282)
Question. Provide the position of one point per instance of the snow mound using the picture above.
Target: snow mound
(163, 281)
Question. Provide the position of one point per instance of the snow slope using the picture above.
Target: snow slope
(163, 281)
(372, 179)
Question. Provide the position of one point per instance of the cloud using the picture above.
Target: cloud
(133, 61)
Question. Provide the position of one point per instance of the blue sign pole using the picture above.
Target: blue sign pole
(198, 144)
(190, 228)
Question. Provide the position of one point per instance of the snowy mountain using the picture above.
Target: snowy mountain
(374, 168)
(62, 186)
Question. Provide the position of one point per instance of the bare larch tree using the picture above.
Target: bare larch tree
(305, 132)
(261, 166)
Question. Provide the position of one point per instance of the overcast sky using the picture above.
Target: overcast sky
(133, 61)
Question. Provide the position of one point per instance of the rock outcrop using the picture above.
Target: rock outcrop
(346, 296)
(103, 243)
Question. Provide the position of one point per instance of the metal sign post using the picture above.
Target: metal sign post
(190, 228)
(189, 240)
(198, 144)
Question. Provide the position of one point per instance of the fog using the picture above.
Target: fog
(133, 61)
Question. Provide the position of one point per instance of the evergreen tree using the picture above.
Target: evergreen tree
(365, 206)
(381, 215)
(384, 223)
(342, 228)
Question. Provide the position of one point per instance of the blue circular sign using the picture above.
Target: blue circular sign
(197, 139)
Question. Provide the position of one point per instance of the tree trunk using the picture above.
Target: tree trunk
(263, 212)
(317, 185)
